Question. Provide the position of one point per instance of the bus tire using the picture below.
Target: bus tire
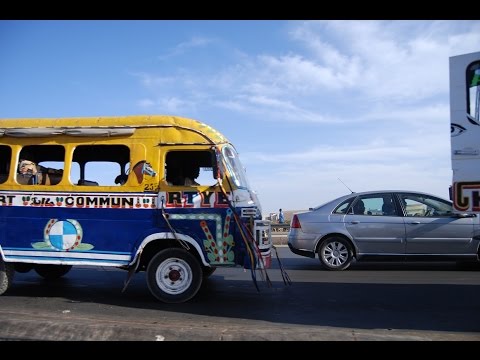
(6, 276)
(22, 268)
(52, 272)
(174, 275)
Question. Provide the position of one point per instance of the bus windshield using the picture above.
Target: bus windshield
(235, 167)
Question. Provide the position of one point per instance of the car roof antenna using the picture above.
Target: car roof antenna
(345, 185)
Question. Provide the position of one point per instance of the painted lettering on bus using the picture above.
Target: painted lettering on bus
(186, 199)
(6, 200)
(175, 199)
(99, 201)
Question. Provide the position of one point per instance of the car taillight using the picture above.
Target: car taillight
(295, 223)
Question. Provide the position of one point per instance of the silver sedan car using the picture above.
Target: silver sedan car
(384, 225)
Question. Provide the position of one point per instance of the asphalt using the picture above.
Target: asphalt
(43, 328)
(279, 239)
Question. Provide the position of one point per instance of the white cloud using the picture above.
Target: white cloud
(154, 82)
(171, 105)
(362, 64)
(396, 60)
(375, 92)
(419, 115)
(309, 186)
(415, 148)
(146, 103)
(183, 47)
(233, 105)
(295, 73)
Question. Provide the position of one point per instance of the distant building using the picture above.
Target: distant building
(272, 217)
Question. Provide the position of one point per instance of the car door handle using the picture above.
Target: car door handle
(415, 222)
(355, 222)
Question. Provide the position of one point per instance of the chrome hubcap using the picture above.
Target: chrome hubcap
(335, 254)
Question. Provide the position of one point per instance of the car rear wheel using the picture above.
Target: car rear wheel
(335, 253)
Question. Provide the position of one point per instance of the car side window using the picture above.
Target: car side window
(425, 206)
(375, 205)
(343, 207)
(388, 206)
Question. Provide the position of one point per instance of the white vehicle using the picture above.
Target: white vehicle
(465, 131)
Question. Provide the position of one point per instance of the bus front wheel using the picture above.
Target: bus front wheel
(174, 275)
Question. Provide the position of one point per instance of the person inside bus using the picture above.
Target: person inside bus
(191, 173)
(121, 179)
(183, 176)
(27, 172)
(30, 173)
(174, 175)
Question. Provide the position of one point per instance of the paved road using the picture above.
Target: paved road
(367, 302)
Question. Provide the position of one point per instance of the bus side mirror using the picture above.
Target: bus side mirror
(217, 164)
(215, 170)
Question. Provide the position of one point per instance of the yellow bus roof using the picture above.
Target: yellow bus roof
(94, 126)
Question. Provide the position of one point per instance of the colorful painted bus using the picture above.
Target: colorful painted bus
(161, 194)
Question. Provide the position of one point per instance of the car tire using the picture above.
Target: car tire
(335, 253)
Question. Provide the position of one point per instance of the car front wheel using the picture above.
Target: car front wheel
(335, 253)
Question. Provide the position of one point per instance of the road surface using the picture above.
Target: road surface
(367, 302)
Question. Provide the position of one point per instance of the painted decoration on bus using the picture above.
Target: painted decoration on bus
(219, 248)
(62, 235)
(171, 199)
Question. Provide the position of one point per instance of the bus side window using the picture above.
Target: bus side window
(100, 165)
(41, 165)
(189, 168)
(5, 158)
(84, 182)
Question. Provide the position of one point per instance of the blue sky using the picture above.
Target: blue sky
(305, 102)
